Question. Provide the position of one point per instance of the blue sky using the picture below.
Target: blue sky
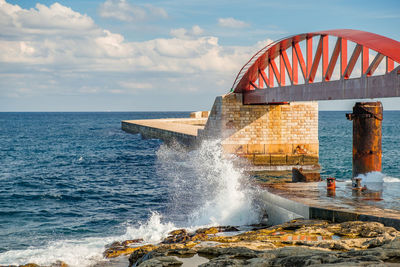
(123, 55)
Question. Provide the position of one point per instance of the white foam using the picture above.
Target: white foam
(378, 177)
(86, 251)
(214, 183)
(210, 182)
(371, 177)
(390, 179)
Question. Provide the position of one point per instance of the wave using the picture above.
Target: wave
(204, 187)
(86, 251)
(378, 177)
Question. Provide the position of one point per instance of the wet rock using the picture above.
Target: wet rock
(139, 254)
(132, 241)
(223, 262)
(235, 252)
(296, 243)
(162, 261)
(259, 262)
(187, 252)
(362, 229)
(217, 229)
(59, 264)
(255, 245)
(178, 232)
(118, 251)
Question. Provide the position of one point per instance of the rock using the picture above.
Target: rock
(217, 229)
(181, 252)
(178, 232)
(255, 245)
(235, 252)
(162, 261)
(115, 252)
(132, 241)
(223, 262)
(138, 254)
(59, 264)
(363, 229)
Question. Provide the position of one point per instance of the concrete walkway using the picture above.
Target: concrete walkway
(312, 201)
(183, 130)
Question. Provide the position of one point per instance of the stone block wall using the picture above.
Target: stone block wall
(272, 135)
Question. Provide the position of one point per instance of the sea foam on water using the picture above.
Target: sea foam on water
(205, 189)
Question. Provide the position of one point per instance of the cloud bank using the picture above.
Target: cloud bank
(54, 50)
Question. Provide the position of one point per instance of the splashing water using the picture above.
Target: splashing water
(206, 187)
(87, 251)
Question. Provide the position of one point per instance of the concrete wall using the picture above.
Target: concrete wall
(265, 134)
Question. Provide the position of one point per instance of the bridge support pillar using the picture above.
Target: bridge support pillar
(276, 137)
(367, 137)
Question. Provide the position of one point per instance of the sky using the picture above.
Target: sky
(153, 55)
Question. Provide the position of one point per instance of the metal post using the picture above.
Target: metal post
(367, 137)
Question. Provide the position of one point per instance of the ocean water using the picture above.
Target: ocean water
(72, 183)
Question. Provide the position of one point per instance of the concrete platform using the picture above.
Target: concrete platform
(285, 201)
(183, 130)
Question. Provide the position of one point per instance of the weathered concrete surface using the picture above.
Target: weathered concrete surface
(285, 201)
(182, 130)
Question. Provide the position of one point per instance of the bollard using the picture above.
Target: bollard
(356, 184)
(330, 183)
(330, 187)
(367, 137)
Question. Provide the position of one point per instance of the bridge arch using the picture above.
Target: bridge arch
(294, 78)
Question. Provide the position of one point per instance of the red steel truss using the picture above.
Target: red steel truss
(261, 70)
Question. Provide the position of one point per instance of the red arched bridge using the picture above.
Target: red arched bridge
(291, 69)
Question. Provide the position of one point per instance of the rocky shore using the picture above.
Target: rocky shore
(296, 243)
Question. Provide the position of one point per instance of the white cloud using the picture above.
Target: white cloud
(135, 85)
(124, 11)
(84, 58)
(232, 23)
(187, 34)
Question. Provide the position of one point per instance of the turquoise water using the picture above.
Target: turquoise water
(73, 182)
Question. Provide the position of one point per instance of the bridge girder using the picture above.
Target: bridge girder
(257, 79)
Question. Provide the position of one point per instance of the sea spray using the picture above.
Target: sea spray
(205, 187)
(87, 251)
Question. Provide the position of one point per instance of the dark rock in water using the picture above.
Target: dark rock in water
(216, 229)
(182, 252)
(162, 261)
(132, 241)
(235, 252)
(138, 254)
(299, 176)
(224, 262)
(178, 232)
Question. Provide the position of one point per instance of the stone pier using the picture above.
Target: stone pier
(275, 136)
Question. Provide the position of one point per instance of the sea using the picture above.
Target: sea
(71, 183)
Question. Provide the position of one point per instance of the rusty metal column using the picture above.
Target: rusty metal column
(367, 137)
